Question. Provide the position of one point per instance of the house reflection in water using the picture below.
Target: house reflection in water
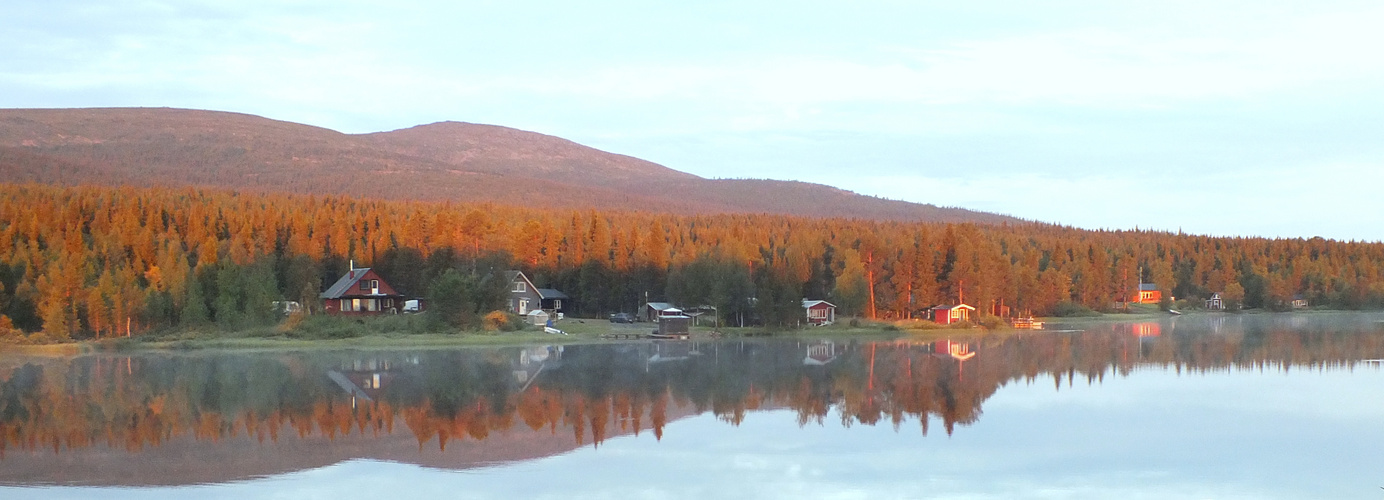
(365, 378)
(821, 353)
(532, 362)
(1146, 329)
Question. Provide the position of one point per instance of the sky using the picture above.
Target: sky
(1227, 118)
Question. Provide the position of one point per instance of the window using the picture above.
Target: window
(520, 286)
(557, 303)
(364, 285)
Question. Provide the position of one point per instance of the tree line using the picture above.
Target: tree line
(80, 262)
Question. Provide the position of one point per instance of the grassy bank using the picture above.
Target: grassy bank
(412, 331)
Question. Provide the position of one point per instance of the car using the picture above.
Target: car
(621, 318)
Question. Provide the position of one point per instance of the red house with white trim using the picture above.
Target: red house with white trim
(362, 292)
(819, 312)
(947, 315)
(1148, 294)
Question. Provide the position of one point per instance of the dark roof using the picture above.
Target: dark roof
(345, 284)
(548, 293)
(1148, 287)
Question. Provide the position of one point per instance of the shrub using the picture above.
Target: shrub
(993, 323)
(1070, 309)
(501, 321)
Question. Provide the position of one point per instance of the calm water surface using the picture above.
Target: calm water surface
(1254, 406)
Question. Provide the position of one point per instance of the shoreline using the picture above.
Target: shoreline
(580, 332)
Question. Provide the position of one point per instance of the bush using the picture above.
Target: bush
(993, 323)
(501, 321)
(1072, 309)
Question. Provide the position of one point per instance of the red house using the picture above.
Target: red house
(1148, 294)
(947, 315)
(361, 292)
(819, 312)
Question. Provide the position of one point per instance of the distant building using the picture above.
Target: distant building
(947, 315)
(361, 292)
(1215, 303)
(653, 310)
(552, 300)
(819, 312)
(524, 297)
(1299, 302)
(678, 326)
(1148, 294)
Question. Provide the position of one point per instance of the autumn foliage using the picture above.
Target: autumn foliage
(98, 262)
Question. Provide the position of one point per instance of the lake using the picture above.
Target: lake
(1199, 406)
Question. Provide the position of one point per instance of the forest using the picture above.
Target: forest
(96, 262)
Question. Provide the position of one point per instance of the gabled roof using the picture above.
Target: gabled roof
(512, 276)
(945, 307)
(549, 293)
(808, 304)
(661, 306)
(1148, 287)
(345, 284)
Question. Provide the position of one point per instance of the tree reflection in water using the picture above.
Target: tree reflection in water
(593, 392)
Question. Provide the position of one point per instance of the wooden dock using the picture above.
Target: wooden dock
(624, 335)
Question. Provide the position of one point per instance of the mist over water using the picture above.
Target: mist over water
(1219, 406)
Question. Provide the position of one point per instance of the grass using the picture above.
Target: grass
(413, 331)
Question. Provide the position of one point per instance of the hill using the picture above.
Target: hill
(441, 161)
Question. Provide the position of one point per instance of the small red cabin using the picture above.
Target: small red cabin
(362, 292)
(1148, 294)
(819, 312)
(947, 315)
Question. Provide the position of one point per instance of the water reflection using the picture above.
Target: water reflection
(215, 417)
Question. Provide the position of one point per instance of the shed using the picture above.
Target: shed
(1215, 303)
(947, 315)
(674, 326)
(819, 312)
(1148, 294)
(654, 310)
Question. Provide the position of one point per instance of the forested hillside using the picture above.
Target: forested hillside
(89, 261)
(445, 161)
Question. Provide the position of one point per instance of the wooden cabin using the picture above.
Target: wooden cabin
(524, 297)
(676, 327)
(1148, 294)
(361, 292)
(1215, 303)
(819, 312)
(654, 310)
(947, 315)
